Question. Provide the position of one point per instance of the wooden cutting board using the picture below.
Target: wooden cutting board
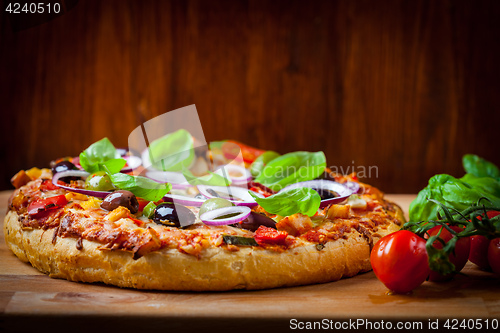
(26, 294)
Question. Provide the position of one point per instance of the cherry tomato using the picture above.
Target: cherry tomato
(492, 213)
(460, 256)
(41, 207)
(479, 246)
(266, 235)
(400, 261)
(479, 251)
(494, 255)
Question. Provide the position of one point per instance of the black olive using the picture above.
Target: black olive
(173, 215)
(121, 198)
(326, 194)
(64, 166)
(255, 220)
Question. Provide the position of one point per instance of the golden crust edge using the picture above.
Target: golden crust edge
(216, 270)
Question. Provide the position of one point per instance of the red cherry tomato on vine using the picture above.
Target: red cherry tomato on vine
(400, 261)
(479, 251)
(459, 258)
(492, 213)
(479, 246)
(494, 255)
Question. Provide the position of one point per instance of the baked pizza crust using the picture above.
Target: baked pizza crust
(216, 269)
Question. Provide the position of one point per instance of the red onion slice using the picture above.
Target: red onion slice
(177, 179)
(77, 173)
(342, 190)
(243, 176)
(133, 162)
(353, 186)
(237, 195)
(211, 217)
(184, 200)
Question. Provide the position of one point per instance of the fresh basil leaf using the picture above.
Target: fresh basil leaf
(210, 179)
(261, 161)
(97, 154)
(292, 168)
(113, 166)
(141, 187)
(172, 152)
(297, 200)
(420, 209)
(87, 165)
(101, 151)
(480, 167)
(484, 184)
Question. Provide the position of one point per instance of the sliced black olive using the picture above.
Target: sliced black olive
(64, 166)
(121, 198)
(173, 215)
(255, 220)
(326, 194)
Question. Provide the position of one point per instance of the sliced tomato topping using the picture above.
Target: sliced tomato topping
(39, 207)
(265, 235)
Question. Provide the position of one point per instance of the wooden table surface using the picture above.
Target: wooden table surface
(26, 295)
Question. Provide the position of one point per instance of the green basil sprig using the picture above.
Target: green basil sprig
(297, 200)
(458, 193)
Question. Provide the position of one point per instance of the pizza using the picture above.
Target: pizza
(97, 218)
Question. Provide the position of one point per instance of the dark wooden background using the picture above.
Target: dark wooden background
(404, 86)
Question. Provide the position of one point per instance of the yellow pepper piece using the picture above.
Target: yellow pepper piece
(92, 202)
(76, 196)
(34, 173)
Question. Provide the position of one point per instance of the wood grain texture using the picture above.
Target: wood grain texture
(26, 295)
(404, 87)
